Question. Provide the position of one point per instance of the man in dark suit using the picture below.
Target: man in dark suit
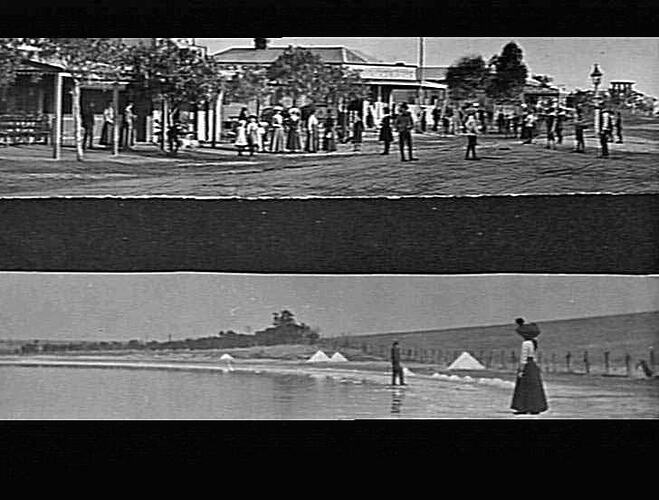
(88, 125)
(396, 367)
(404, 125)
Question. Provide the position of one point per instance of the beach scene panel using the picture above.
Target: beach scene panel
(303, 347)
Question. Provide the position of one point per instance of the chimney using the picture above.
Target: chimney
(260, 43)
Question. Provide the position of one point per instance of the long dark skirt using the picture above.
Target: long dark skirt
(529, 395)
(107, 134)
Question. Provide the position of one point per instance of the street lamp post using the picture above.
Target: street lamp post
(596, 78)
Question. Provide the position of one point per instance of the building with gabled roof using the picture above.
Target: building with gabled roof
(389, 83)
(329, 55)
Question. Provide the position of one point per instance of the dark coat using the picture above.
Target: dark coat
(358, 132)
(404, 122)
(395, 356)
(386, 135)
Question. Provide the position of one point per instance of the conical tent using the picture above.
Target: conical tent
(226, 357)
(319, 357)
(466, 362)
(338, 358)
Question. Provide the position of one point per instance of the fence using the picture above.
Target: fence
(582, 362)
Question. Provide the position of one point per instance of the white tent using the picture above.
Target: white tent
(319, 357)
(226, 357)
(466, 362)
(338, 358)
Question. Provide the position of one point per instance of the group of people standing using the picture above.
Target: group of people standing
(529, 394)
(286, 131)
(125, 121)
(526, 126)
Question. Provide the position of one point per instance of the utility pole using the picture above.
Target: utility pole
(421, 64)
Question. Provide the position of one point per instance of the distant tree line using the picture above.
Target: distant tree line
(284, 330)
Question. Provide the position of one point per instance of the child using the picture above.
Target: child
(358, 133)
(241, 137)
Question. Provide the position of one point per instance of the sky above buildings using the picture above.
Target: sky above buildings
(154, 306)
(568, 60)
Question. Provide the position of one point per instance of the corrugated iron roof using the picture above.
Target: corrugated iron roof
(330, 55)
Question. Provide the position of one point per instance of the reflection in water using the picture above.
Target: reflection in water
(397, 396)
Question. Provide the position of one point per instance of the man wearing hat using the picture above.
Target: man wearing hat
(471, 127)
(404, 124)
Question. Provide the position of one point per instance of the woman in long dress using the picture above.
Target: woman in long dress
(252, 132)
(529, 395)
(293, 142)
(329, 139)
(107, 132)
(386, 134)
(313, 139)
(241, 137)
(278, 140)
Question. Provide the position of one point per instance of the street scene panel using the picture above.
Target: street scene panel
(235, 346)
(328, 117)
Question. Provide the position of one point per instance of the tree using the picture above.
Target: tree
(10, 60)
(510, 73)
(284, 318)
(247, 83)
(299, 72)
(179, 76)
(85, 59)
(466, 78)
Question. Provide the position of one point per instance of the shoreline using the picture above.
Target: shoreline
(579, 398)
(375, 370)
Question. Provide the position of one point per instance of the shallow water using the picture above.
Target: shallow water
(101, 393)
(271, 391)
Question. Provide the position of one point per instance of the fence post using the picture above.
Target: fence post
(480, 357)
(652, 358)
(568, 356)
(503, 360)
(628, 364)
(540, 361)
(606, 362)
(586, 362)
(513, 359)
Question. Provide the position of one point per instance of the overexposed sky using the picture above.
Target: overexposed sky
(568, 60)
(153, 306)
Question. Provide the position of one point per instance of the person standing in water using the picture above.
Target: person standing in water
(396, 367)
(529, 394)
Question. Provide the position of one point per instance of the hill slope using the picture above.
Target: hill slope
(629, 333)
